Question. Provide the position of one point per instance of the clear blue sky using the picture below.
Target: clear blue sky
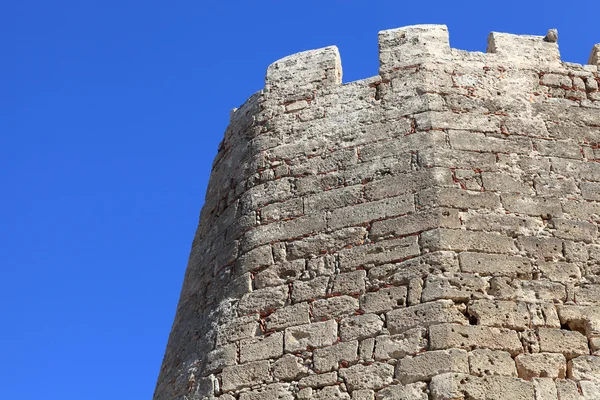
(110, 115)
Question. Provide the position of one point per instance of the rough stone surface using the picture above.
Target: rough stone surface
(427, 233)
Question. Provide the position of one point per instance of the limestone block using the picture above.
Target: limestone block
(415, 268)
(568, 390)
(581, 318)
(587, 294)
(457, 159)
(590, 390)
(363, 394)
(366, 348)
(484, 362)
(545, 388)
(570, 343)
(532, 205)
(274, 391)
(413, 44)
(384, 299)
(373, 376)
(288, 368)
(416, 222)
(494, 265)
(595, 55)
(590, 190)
(334, 307)
(502, 314)
(426, 365)
(329, 358)
(332, 199)
(349, 283)
(284, 230)
(295, 314)
(502, 223)
(319, 380)
(380, 252)
(279, 274)
(263, 300)
(523, 48)
(259, 257)
(424, 315)
(239, 328)
(470, 337)
(452, 386)
(309, 290)
(362, 213)
(585, 368)
(458, 198)
(541, 365)
(326, 242)
(315, 335)
(540, 247)
(330, 393)
(462, 240)
(560, 271)
(261, 348)
(574, 230)
(360, 327)
(530, 291)
(475, 141)
(457, 287)
(559, 148)
(239, 376)
(413, 391)
(222, 356)
(501, 182)
(408, 343)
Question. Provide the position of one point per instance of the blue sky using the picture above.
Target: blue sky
(110, 115)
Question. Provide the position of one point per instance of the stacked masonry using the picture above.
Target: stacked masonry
(429, 233)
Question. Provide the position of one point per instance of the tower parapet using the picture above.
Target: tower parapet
(427, 233)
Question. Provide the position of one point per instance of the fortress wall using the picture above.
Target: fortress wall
(428, 233)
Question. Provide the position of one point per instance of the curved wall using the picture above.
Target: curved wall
(428, 233)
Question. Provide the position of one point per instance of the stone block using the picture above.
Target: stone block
(570, 343)
(288, 368)
(495, 265)
(416, 222)
(532, 205)
(457, 198)
(585, 368)
(424, 366)
(380, 252)
(263, 300)
(374, 376)
(318, 380)
(239, 376)
(349, 283)
(383, 300)
(574, 230)
(452, 386)
(279, 274)
(457, 287)
(485, 362)
(424, 315)
(413, 391)
(541, 365)
(309, 290)
(239, 328)
(334, 307)
(470, 337)
(462, 240)
(559, 271)
(295, 314)
(360, 327)
(408, 343)
(274, 391)
(329, 358)
(315, 335)
(326, 242)
(501, 182)
(261, 348)
(502, 314)
(362, 213)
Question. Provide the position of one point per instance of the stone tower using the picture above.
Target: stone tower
(430, 233)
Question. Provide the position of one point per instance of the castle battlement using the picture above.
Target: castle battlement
(430, 233)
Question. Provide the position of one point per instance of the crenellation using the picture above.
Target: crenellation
(427, 233)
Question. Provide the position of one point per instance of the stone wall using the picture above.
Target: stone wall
(428, 233)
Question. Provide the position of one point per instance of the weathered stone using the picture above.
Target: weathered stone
(315, 335)
(288, 368)
(239, 376)
(495, 265)
(541, 365)
(426, 365)
(334, 307)
(485, 362)
(424, 315)
(295, 314)
(446, 336)
(329, 358)
(585, 368)
(274, 391)
(571, 344)
(350, 282)
(373, 376)
(360, 327)
(451, 386)
(319, 380)
(399, 346)
(413, 391)
(383, 300)
(262, 348)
